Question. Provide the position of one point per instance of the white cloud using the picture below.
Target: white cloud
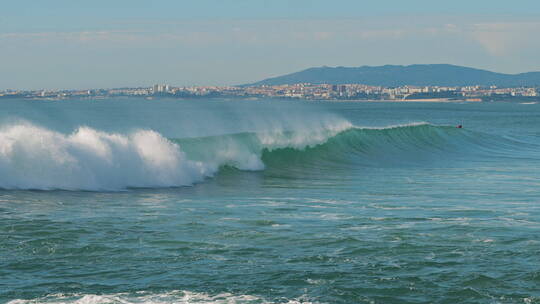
(82, 36)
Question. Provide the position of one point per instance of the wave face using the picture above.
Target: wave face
(33, 157)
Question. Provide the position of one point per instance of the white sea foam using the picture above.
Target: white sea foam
(176, 297)
(397, 126)
(33, 157)
(302, 138)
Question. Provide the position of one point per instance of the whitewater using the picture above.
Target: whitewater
(268, 201)
(34, 157)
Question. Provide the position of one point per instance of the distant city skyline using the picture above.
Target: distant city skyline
(104, 44)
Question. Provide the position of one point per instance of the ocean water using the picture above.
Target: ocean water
(171, 201)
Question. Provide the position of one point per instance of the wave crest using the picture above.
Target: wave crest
(32, 157)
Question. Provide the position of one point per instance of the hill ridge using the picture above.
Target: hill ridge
(400, 75)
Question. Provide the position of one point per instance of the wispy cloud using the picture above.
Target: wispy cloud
(501, 39)
(498, 39)
(80, 36)
(225, 51)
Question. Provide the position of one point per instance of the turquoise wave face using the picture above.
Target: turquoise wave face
(268, 202)
(400, 145)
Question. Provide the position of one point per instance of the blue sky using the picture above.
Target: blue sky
(86, 44)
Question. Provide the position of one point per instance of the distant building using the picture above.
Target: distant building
(160, 88)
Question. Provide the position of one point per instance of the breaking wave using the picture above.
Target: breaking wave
(33, 157)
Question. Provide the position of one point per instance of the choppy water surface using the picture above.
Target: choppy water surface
(165, 201)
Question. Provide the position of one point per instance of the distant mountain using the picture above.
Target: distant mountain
(398, 75)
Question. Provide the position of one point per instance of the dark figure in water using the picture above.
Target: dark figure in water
(459, 126)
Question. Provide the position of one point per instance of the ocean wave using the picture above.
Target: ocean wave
(33, 157)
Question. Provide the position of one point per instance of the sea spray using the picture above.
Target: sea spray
(33, 157)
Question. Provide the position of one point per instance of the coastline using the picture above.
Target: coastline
(432, 100)
(257, 98)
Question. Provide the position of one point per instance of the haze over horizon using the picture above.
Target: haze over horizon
(62, 44)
